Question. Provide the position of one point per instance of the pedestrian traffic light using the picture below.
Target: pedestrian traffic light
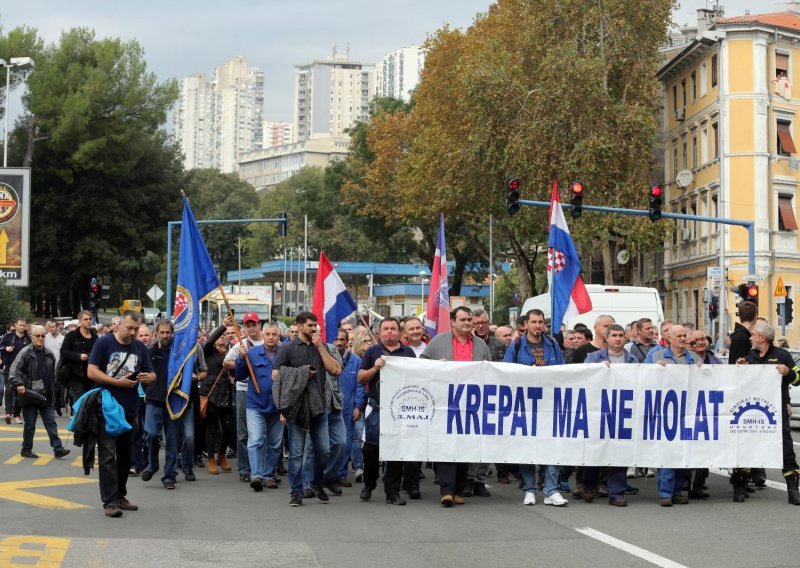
(282, 224)
(576, 188)
(512, 196)
(656, 197)
(713, 308)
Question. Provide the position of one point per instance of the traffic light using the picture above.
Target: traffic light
(713, 308)
(282, 224)
(656, 197)
(748, 293)
(512, 196)
(576, 188)
(788, 311)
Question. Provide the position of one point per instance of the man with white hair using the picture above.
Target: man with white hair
(765, 353)
(33, 375)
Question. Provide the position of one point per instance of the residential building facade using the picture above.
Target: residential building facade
(398, 73)
(730, 120)
(277, 134)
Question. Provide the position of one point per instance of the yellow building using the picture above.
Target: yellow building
(729, 123)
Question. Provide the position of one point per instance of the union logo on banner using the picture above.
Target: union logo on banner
(184, 309)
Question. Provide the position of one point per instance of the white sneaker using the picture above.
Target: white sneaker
(556, 500)
(650, 473)
(530, 498)
(631, 473)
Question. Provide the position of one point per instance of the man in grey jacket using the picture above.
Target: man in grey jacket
(458, 345)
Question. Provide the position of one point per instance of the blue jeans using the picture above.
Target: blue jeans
(242, 459)
(528, 473)
(336, 437)
(670, 482)
(187, 439)
(156, 420)
(29, 414)
(354, 429)
(297, 442)
(261, 428)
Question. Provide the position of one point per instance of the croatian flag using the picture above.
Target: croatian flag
(437, 317)
(567, 291)
(332, 301)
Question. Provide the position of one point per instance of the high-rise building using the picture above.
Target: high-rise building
(217, 120)
(277, 134)
(397, 74)
(330, 96)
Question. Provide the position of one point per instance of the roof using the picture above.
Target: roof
(786, 20)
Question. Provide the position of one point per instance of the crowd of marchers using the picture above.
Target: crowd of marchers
(291, 409)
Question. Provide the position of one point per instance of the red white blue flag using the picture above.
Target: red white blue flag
(332, 301)
(437, 317)
(567, 291)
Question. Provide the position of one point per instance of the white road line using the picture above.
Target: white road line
(773, 484)
(650, 557)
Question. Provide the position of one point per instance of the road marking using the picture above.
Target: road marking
(78, 462)
(45, 551)
(14, 460)
(13, 491)
(650, 557)
(19, 428)
(772, 484)
(43, 459)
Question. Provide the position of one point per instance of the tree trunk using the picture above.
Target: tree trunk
(458, 274)
(608, 262)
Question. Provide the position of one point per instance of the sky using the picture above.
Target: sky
(181, 37)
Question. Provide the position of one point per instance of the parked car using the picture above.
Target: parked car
(152, 315)
(134, 305)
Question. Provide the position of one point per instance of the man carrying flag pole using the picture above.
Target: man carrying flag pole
(567, 292)
(437, 317)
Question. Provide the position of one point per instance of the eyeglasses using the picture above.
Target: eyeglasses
(481, 322)
(38, 335)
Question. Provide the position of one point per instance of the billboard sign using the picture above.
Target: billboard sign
(15, 216)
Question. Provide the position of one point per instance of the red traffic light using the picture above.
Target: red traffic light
(752, 291)
(576, 187)
(656, 191)
(513, 184)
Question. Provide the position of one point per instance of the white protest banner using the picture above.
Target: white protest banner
(625, 415)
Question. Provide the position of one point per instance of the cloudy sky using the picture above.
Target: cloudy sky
(181, 37)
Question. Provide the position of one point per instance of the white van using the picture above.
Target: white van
(624, 303)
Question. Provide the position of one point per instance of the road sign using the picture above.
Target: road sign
(780, 299)
(713, 273)
(753, 278)
(780, 289)
(155, 293)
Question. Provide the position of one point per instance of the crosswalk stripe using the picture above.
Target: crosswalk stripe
(43, 459)
(14, 460)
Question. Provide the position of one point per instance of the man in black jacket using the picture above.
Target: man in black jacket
(10, 346)
(75, 352)
(33, 377)
(740, 338)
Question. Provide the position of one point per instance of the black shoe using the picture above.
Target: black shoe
(467, 492)
(395, 499)
(414, 494)
(366, 493)
(749, 489)
(698, 494)
(28, 454)
(282, 470)
(256, 484)
(296, 500)
(244, 478)
(230, 454)
(332, 487)
(112, 510)
(321, 495)
(189, 475)
(169, 484)
(309, 494)
(147, 475)
(479, 490)
(61, 452)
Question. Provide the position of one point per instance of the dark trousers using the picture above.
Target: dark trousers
(10, 400)
(219, 430)
(411, 471)
(697, 478)
(76, 390)
(139, 453)
(789, 458)
(393, 474)
(452, 477)
(591, 477)
(115, 462)
(29, 414)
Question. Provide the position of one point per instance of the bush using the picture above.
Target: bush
(12, 306)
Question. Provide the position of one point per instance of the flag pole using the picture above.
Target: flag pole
(239, 335)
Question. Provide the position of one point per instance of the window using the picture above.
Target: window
(714, 71)
(693, 84)
(703, 79)
(715, 142)
(683, 92)
(785, 141)
(693, 223)
(684, 152)
(674, 159)
(704, 145)
(786, 219)
(781, 64)
(674, 99)
(694, 151)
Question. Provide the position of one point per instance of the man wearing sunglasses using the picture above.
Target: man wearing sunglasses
(699, 344)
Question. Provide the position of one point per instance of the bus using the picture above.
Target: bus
(213, 309)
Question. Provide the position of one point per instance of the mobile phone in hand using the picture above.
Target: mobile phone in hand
(134, 376)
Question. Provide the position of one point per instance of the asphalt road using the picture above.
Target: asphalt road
(50, 513)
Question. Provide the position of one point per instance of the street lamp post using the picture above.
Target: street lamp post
(422, 275)
(22, 63)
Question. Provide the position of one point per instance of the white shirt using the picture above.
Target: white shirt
(419, 349)
(54, 344)
(233, 354)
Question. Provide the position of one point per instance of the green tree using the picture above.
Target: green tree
(12, 306)
(106, 177)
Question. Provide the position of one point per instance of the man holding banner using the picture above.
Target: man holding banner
(537, 349)
(458, 345)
